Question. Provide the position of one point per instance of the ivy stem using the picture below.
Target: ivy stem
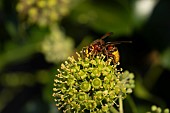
(120, 104)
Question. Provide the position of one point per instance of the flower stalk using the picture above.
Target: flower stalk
(120, 104)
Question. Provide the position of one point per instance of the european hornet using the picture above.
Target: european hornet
(108, 49)
(96, 47)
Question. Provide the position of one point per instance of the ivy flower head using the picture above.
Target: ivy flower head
(43, 12)
(56, 46)
(90, 84)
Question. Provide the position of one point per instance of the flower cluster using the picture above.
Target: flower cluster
(56, 46)
(90, 84)
(155, 109)
(43, 12)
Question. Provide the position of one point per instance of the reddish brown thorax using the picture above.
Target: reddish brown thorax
(96, 46)
(109, 47)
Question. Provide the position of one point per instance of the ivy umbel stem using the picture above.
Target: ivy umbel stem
(120, 104)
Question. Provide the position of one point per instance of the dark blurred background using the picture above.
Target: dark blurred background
(36, 36)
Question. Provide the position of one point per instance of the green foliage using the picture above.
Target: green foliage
(104, 17)
(165, 58)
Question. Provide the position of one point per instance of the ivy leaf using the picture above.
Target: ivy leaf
(104, 17)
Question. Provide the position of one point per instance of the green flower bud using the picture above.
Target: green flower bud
(85, 86)
(155, 109)
(105, 108)
(166, 110)
(82, 96)
(90, 105)
(96, 83)
(98, 96)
